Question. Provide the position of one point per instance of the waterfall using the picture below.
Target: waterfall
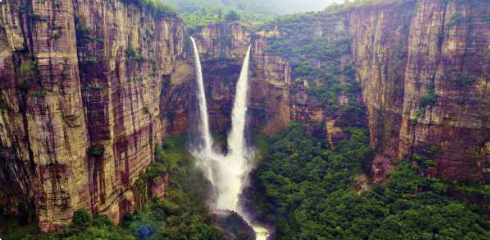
(229, 173)
(204, 154)
(235, 164)
(236, 139)
(203, 109)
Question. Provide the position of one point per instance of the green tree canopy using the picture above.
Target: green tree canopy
(232, 15)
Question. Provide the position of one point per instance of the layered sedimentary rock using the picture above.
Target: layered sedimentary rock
(423, 67)
(270, 82)
(222, 48)
(280, 94)
(274, 101)
(379, 49)
(88, 87)
(81, 89)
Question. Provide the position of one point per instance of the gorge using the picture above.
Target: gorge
(227, 173)
(89, 89)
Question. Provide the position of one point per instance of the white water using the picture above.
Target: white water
(204, 152)
(203, 108)
(229, 173)
(236, 165)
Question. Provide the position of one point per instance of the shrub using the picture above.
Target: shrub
(130, 52)
(154, 7)
(418, 114)
(96, 150)
(56, 36)
(82, 219)
(429, 100)
(462, 80)
(232, 15)
(40, 93)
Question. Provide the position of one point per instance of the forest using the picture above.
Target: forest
(326, 95)
(309, 191)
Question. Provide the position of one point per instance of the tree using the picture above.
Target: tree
(232, 15)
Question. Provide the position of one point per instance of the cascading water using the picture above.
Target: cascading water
(204, 154)
(235, 164)
(203, 108)
(239, 158)
(229, 173)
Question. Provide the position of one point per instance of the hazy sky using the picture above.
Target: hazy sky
(330, 1)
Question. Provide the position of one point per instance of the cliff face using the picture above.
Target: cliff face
(274, 98)
(81, 89)
(423, 68)
(222, 48)
(424, 71)
(303, 72)
(88, 87)
(379, 49)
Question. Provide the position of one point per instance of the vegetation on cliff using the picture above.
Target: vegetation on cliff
(197, 13)
(307, 190)
(319, 55)
(181, 215)
(154, 6)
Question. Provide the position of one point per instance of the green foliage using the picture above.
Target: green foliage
(56, 36)
(232, 15)
(154, 70)
(304, 188)
(84, 227)
(463, 80)
(153, 6)
(315, 57)
(298, 165)
(430, 99)
(82, 219)
(84, 33)
(335, 8)
(196, 13)
(91, 60)
(40, 93)
(418, 115)
(474, 189)
(130, 52)
(27, 69)
(58, 4)
(12, 230)
(96, 150)
(29, 74)
(456, 19)
(133, 54)
(183, 214)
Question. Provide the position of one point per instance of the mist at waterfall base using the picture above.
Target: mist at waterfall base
(227, 173)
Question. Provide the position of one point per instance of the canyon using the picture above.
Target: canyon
(89, 87)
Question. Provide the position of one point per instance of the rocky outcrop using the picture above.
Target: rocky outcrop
(81, 89)
(379, 49)
(423, 68)
(424, 72)
(282, 92)
(158, 186)
(449, 61)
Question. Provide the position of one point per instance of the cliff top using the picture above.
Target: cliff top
(154, 6)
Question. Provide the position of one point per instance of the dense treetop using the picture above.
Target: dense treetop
(308, 191)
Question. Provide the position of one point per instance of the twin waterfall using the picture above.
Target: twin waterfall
(228, 173)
